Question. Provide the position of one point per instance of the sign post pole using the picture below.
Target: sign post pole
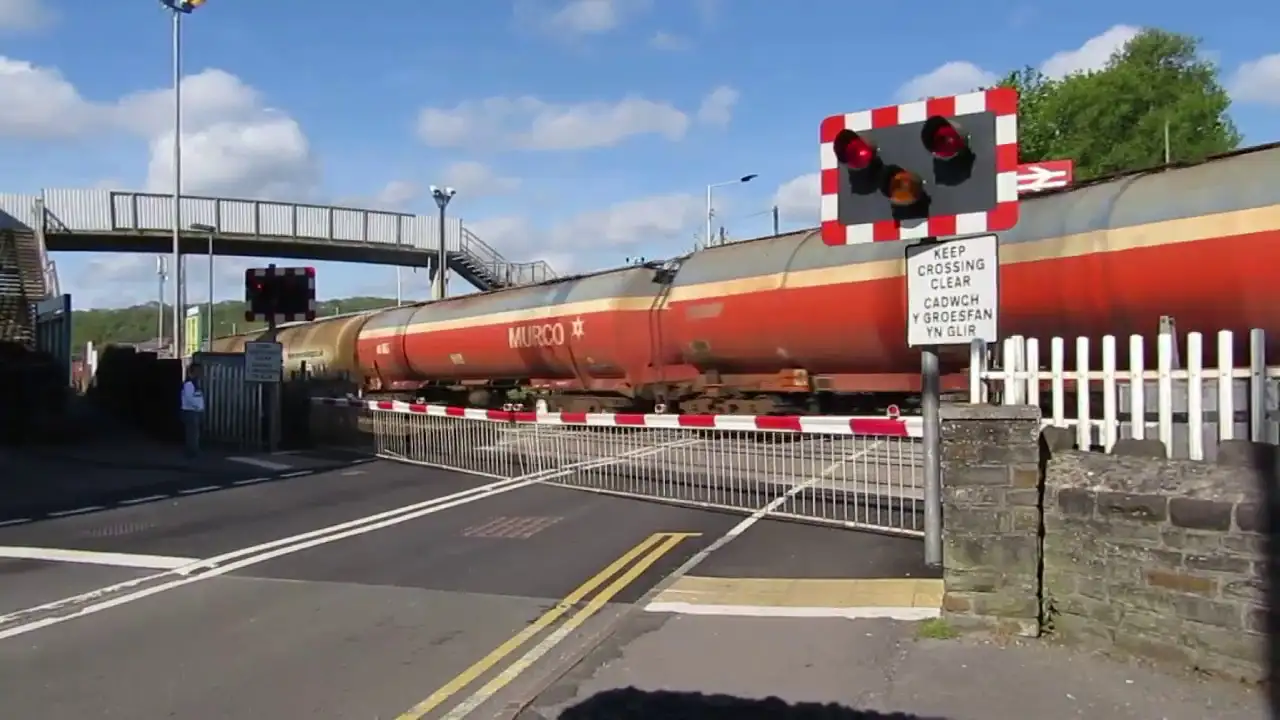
(953, 298)
(930, 399)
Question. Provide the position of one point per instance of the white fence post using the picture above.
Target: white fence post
(1177, 410)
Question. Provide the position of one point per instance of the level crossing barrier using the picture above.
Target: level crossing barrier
(856, 472)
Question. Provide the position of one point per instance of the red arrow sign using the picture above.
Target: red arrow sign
(1047, 175)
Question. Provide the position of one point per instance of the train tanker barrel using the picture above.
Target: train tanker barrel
(939, 167)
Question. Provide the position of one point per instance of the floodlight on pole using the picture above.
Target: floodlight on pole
(442, 196)
(706, 241)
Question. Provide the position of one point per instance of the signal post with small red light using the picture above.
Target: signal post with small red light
(939, 168)
(279, 295)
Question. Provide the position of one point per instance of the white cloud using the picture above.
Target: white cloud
(477, 179)
(717, 106)
(1092, 55)
(1255, 81)
(960, 76)
(263, 156)
(21, 15)
(592, 17)
(629, 223)
(534, 124)
(39, 103)
(663, 40)
(122, 279)
(396, 195)
(798, 199)
(949, 79)
(663, 224)
(233, 143)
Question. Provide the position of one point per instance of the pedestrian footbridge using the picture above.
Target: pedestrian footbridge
(70, 220)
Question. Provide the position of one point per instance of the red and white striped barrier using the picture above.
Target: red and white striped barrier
(887, 426)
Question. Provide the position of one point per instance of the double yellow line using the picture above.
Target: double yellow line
(635, 562)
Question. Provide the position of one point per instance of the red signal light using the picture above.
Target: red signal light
(311, 272)
(853, 151)
(945, 140)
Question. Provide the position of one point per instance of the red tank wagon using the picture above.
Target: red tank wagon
(787, 323)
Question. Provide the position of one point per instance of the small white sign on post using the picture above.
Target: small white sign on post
(263, 362)
(953, 291)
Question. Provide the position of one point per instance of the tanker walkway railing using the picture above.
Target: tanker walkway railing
(858, 473)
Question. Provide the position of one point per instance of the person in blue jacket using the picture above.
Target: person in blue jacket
(192, 409)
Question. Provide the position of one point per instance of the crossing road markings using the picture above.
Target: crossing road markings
(635, 562)
(148, 562)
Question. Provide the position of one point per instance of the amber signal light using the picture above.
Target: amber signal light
(903, 188)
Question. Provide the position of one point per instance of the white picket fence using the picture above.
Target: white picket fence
(1188, 408)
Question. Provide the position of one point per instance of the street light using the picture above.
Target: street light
(209, 231)
(442, 197)
(178, 8)
(710, 211)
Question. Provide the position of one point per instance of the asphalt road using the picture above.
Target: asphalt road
(408, 604)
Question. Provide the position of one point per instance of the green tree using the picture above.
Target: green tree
(138, 324)
(1114, 119)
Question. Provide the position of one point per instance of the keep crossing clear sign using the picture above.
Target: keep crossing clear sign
(953, 291)
(263, 362)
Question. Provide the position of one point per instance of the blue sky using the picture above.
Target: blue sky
(578, 131)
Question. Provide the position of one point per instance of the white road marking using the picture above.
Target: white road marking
(120, 587)
(15, 521)
(250, 481)
(197, 491)
(139, 500)
(77, 511)
(297, 473)
(259, 462)
(851, 613)
(245, 557)
(86, 557)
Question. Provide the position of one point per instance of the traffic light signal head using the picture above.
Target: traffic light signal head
(938, 167)
(280, 294)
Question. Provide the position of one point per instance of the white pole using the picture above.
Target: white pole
(208, 333)
(179, 277)
(706, 238)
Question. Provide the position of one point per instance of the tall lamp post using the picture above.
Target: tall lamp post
(209, 232)
(707, 240)
(161, 272)
(178, 8)
(442, 197)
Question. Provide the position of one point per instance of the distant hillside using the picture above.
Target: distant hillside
(138, 324)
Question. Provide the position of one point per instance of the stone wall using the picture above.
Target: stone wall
(1157, 558)
(991, 516)
(1162, 559)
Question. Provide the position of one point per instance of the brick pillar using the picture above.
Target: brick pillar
(991, 517)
